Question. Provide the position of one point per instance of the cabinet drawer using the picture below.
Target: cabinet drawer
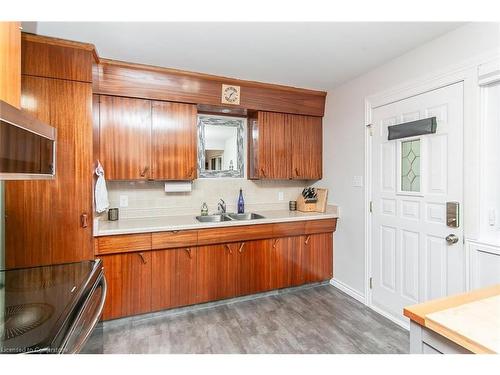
(123, 244)
(320, 226)
(174, 239)
(234, 234)
(295, 228)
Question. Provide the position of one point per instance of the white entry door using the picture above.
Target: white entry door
(412, 179)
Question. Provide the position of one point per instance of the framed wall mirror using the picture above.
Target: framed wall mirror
(220, 146)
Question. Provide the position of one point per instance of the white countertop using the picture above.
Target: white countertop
(180, 222)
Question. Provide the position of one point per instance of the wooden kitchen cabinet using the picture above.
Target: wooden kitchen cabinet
(174, 278)
(317, 257)
(254, 267)
(284, 146)
(129, 284)
(215, 265)
(287, 262)
(306, 147)
(174, 141)
(125, 138)
(144, 140)
(65, 201)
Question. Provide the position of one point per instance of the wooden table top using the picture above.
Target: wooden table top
(471, 319)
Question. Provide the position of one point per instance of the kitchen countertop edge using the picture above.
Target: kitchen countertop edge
(270, 217)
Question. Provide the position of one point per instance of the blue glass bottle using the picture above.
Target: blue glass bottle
(241, 203)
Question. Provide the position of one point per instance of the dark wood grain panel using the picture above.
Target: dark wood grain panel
(56, 60)
(142, 81)
(174, 141)
(30, 205)
(234, 234)
(318, 257)
(293, 228)
(254, 266)
(10, 63)
(320, 226)
(274, 146)
(173, 239)
(129, 284)
(174, 278)
(307, 146)
(125, 138)
(123, 243)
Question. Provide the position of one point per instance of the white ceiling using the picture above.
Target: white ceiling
(310, 55)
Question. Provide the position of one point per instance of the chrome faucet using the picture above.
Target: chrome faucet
(221, 207)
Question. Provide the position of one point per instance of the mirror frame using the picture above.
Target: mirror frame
(207, 120)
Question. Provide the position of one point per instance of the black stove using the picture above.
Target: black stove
(50, 309)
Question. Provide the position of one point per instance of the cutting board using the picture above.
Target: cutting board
(474, 325)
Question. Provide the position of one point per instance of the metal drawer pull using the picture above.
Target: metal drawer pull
(307, 239)
(189, 252)
(142, 258)
(84, 222)
(144, 171)
(275, 243)
(241, 247)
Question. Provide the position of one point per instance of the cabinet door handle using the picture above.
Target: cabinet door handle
(84, 220)
(229, 248)
(241, 247)
(263, 172)
(190, 174)
(142, 258)
(307, 239)
(189, 252)
(144, 171)
(296, 172)
(275, 243)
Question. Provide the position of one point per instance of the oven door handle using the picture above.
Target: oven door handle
(81, 342)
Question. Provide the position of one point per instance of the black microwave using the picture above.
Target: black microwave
(27, 146)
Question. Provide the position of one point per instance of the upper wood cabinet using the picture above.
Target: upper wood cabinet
(284, 146)
(174, 151)
(306, 147)
(144, 140)
(125, 138)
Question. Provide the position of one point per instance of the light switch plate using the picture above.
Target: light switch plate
(280, 196)
(357, 181)
(123, 200)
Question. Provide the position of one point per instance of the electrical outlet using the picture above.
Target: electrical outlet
(123, 200)
(280, 196)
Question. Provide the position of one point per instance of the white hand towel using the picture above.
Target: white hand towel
(101, 192)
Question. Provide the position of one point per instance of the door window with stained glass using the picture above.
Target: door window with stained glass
(410, 165)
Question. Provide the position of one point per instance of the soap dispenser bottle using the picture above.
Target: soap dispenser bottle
(241, 203)
(204, 209)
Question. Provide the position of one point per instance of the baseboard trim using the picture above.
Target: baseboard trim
(348, 290)
(400, 322)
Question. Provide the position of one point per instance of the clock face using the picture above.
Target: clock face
(230, 94)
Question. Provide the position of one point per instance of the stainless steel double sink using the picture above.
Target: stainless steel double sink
(229, 217)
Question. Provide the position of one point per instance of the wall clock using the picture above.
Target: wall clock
(230, 94)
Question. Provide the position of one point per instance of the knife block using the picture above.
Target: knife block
(319, 206)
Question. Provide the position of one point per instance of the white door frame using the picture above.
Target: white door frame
(465, 72)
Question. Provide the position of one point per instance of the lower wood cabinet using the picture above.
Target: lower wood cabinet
(129, 284)
(173, 282)
(141, 282)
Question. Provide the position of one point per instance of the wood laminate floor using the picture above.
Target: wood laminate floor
(318, 319)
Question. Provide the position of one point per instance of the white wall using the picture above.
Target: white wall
(344, 133)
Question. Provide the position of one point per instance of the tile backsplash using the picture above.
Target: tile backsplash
(146, 199)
